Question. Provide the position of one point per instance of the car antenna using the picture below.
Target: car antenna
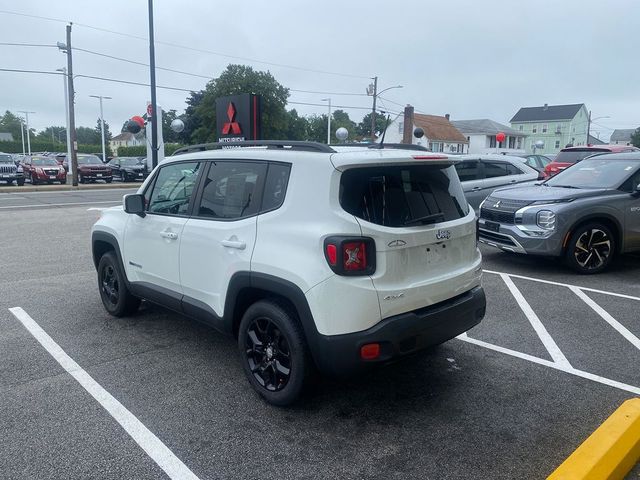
(384, 132)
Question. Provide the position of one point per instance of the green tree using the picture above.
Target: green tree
(364, 127)
(297, 126)
(635, 138)
(237, 79)
(59, 134)
(317, 130)
(10, 123)
(340, 119)
(169, 135)
(107, 132)
(87, 136)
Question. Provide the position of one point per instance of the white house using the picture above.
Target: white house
(481, 135)
(621, 136)
(125, 139)
(439, 134)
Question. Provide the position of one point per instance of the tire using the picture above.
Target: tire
(9, 182)
(116, 297)
(274, 352)
(108, 180)
(20, 182)
(591, 248)
(63, 182)
(81, 179)
(33, 181)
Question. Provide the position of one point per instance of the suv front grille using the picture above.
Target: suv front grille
(508, 205)
(51, 172)
(496, 237)
(497, 216)
(8, 169)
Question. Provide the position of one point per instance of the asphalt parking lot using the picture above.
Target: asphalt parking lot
(84, 395)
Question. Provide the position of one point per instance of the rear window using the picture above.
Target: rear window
(399, 196)
(573, 156)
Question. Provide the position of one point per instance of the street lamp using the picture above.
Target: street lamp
(66, 117)
(26, 114)
(104, 153)
(589, 120)
(372, 90)
(328, 121)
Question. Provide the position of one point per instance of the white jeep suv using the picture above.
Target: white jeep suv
(309, 255)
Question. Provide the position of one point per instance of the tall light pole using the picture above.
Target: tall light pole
(328, 121)
(22, 135)
(66, 113)
(104, 149)
(153, 117)
(26, 114)
(73, 160)
(372, 90)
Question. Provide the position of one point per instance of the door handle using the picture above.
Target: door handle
(513, 181)
(475, 189)
(234, 244)
(169, 235)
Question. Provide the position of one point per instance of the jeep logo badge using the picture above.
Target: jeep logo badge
(397, 243)
(443, 235)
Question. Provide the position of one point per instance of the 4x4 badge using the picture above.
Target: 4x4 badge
(397, 243)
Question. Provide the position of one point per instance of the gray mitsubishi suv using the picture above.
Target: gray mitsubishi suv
(586, 214)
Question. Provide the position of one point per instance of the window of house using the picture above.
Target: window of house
(519, 143)
(535, 129)
(435, 146)
(173, 188)
(492, 141)
(232, 190)
(544, 128)
(400, 127)
(559, 128)
(512, 142)
(557, 144)
(521, 127)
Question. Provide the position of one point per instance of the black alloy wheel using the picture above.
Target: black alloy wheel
(591, 249)
(275, 356)
(115, 295)
(268, 354)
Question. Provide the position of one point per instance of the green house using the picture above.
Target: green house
(555, 126)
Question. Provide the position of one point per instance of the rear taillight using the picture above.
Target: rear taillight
(351, 255)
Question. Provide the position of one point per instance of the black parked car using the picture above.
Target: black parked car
(128, 169)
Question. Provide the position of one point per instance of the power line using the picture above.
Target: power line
(200, 50)
(128, 82)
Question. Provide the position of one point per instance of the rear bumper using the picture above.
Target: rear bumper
(401, 335)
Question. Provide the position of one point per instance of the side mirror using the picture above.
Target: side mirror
(134, 204)
(636, 190)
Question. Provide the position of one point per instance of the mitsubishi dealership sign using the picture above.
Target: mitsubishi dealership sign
(239, 117)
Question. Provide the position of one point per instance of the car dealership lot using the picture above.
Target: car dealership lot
(546, 366)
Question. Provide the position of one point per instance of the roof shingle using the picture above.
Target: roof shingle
(548, 113)
(438, 128)
(484, 126)
(622, 135)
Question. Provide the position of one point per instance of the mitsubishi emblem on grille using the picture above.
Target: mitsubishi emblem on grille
(497, 204)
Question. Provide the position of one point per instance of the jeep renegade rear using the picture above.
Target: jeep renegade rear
(335, 257)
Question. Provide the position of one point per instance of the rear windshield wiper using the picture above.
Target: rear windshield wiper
(433, 218)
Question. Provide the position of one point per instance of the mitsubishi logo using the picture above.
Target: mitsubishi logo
(497, 204)
(231, 126)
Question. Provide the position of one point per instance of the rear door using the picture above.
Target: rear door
(423, 230)
(632, 217)
(470, 174)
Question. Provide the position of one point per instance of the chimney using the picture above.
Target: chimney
(546, 107)
(407, 132)
(447, 116)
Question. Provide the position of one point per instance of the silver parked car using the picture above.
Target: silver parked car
(586, 214)
(482, 174)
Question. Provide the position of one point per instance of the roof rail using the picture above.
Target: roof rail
(270, 144)
(398, 146)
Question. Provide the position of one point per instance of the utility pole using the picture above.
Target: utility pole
(66, 112)
(153, 117)
(26, 114)
(588, 128)
(373, 109)
(73, 161)
(104, 148)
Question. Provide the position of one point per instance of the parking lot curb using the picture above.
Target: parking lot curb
(64, 188)
(610, 452)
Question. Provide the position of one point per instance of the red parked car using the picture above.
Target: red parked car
(91, 168)
(570, 155)
(41, 169)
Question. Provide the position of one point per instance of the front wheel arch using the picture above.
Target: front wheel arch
(607, 221)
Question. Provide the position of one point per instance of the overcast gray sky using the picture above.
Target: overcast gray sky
(469, 58)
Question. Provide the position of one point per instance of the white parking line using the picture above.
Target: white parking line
(151, 444)
(549, 282)
(578, 373)
(622, 330)
(61, 204)
(547, 340)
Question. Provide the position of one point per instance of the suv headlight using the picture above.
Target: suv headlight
(546, 219)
